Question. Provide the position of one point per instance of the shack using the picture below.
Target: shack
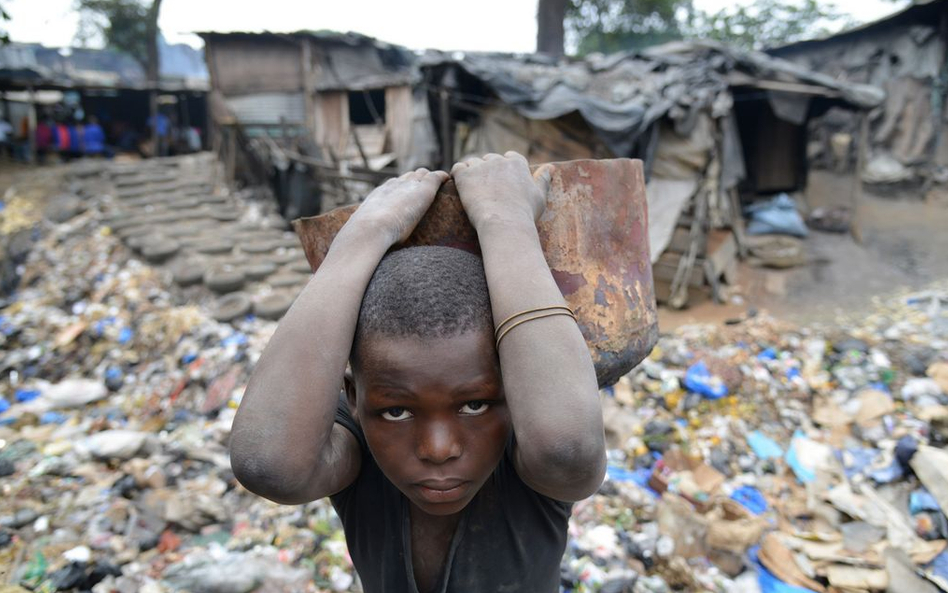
(323, 114)
(717, 127)
(38, 81)
(906, 54)
(321, 117)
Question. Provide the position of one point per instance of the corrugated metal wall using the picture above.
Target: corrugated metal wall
(268, 108)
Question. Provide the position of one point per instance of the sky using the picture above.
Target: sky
(484, 25)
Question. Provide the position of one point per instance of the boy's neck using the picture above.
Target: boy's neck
(431, 537)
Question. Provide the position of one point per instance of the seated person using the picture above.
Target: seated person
(456, 453)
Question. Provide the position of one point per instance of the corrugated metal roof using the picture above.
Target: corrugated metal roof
(269, 108)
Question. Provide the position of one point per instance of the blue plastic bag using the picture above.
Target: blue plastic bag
(26, 395)
(700, 380)
(777, 216)
(751, 499)
(4, 405)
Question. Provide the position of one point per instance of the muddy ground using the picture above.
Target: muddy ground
(900, 244)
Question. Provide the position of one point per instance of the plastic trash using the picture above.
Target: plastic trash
(920, 500)
(763, 446)
(751, 499)
(767, 581)
(777, 216)
(700, 380)
(801, 463)
(26, 395)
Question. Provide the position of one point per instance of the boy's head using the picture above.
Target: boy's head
(426, 385)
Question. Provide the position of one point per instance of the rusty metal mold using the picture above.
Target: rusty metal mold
(594, 235)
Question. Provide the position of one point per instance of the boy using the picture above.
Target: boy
(455, 458)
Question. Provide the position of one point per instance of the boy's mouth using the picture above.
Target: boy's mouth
(442, 491)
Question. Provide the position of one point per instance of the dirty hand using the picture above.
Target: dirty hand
(501, 189)
(395, 207)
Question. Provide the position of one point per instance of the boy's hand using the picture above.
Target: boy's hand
(500, 188)
(395, 207)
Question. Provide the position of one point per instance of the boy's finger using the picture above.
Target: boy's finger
(419, 174)
(438, 177)
(458, 167)
(542, 178)
(491, 156)
(513, 154)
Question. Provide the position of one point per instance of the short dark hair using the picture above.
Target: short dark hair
(428, 292)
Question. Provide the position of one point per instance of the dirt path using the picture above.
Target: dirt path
(904, 246)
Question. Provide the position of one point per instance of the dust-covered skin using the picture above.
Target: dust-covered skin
(285, 445)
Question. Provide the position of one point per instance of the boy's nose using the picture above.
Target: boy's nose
(438, 443)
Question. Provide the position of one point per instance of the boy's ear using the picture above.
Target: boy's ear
(349, 385)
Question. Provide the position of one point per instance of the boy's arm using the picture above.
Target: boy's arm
(284, 444)
(549, 379)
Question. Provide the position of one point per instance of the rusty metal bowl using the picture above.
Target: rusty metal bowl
(594, 235)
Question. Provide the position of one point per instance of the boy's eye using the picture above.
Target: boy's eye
(474, 408)
(396, 414)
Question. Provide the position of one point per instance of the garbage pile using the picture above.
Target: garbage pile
(756, 457)
(768, 457)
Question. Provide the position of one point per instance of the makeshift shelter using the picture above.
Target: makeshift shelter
(108, 84)
(332, 107)
(322, 117)
(714, 125)
(907, 55)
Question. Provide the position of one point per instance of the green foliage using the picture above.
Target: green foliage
(770, 23)
(122, 25)
(614, 25)
(4, 36)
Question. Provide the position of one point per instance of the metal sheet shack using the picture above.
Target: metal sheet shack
(38, 81)
(328, 115)
(906, 54)
(717, 127)
(316, 113)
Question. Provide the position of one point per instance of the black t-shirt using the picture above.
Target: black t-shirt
(509, 539)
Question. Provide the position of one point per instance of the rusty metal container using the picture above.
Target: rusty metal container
(594, 235)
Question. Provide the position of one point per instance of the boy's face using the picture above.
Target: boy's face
(433, 413)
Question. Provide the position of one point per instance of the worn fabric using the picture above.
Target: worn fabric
(509, 538)
(93, 139)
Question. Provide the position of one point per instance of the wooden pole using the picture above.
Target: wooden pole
(861, 157)
(447, 148)
(31, 126)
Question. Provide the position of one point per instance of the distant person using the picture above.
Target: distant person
(160, 127)
(44, 139)
(192, 137)
(93, 139)
(61, 138)
(70, 144)
(6, 137)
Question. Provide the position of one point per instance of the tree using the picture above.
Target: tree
(4, 36)
(130, 26)
(770, 23)
(550, 30)
(614, 25)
